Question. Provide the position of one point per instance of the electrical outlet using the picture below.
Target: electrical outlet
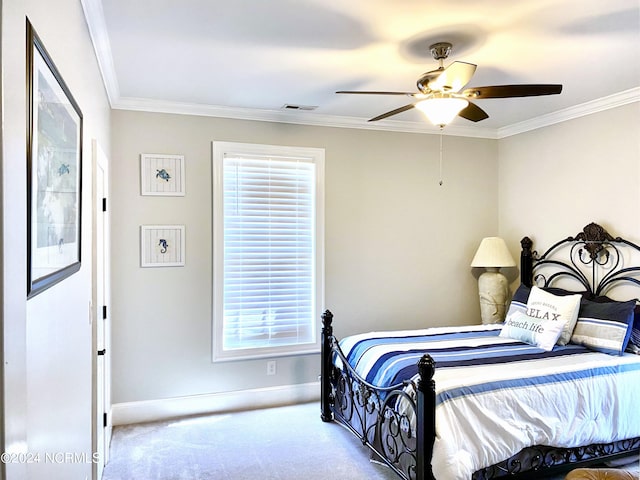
(271, 367)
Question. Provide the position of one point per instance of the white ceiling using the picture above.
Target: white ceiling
(248, 58)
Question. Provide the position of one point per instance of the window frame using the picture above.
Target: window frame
(219, 150)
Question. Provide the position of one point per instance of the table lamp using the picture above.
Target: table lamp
(493, 287)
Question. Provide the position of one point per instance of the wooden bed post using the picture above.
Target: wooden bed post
(426, 421)
(325, 368)
(526, 262)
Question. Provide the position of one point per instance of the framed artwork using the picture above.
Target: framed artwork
(162, 174)
(162, 246)
(54, 172)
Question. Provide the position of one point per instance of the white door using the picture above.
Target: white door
(102, 371)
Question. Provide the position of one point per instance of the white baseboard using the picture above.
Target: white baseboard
(153, 410)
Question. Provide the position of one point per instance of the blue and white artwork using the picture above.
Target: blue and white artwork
(162, 245)
(162, 174)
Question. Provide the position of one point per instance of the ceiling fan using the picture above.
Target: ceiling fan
(440, 97)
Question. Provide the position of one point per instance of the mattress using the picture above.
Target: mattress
(496, 396)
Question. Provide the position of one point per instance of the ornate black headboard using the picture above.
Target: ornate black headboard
(593, 258)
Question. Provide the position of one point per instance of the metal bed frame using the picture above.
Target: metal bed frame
(370, 413)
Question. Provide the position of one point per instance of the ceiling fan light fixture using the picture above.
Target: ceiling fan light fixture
(441, 110)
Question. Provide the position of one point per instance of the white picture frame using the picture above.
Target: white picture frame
(162, 246)
(162, 175)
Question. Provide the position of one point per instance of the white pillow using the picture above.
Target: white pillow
(547, 306)
(534, 331)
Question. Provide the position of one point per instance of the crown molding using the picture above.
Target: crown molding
(94, 15)
(310, 118)
(605, 103)
(298, 117)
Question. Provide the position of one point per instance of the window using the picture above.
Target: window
(268, 230)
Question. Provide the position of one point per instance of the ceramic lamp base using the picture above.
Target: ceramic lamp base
(494, 296)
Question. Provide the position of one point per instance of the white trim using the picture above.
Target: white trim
(581, 110)
(314, 119)
(296, 117)
(94, 15)
(162, 409)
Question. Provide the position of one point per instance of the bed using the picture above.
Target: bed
(497, 401)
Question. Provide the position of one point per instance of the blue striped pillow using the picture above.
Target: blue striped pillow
(518, 301)
(635, 330)
(604, 327)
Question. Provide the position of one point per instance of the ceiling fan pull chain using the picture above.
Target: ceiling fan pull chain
(440, 182)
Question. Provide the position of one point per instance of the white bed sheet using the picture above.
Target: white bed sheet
(481, 429)
(566, 401)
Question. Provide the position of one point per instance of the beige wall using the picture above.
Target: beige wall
(398, 245)
(47, 340)
(556, 180)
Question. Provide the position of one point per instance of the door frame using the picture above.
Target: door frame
(101, 423)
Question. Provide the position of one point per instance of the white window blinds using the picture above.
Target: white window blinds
(269, 290)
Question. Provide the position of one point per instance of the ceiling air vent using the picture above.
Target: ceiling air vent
(288, 106)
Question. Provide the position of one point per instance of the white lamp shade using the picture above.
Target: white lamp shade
(440, 111)
(493, 253)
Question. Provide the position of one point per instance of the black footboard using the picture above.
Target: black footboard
(397, 423)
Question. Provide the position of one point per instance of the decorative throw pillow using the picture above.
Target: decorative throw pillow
(521, 296)
(605, 327)
(542, 333)
(547, 306)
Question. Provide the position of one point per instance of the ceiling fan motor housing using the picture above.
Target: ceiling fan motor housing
(426, 78)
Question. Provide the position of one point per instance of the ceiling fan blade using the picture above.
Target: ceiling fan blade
(392, 112)
(375, 93)
(454, 77)
(473, 112)
(507, 91)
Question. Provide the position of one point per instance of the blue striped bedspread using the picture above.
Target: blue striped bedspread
(496, 396)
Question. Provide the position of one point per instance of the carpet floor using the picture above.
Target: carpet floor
(285, 443)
